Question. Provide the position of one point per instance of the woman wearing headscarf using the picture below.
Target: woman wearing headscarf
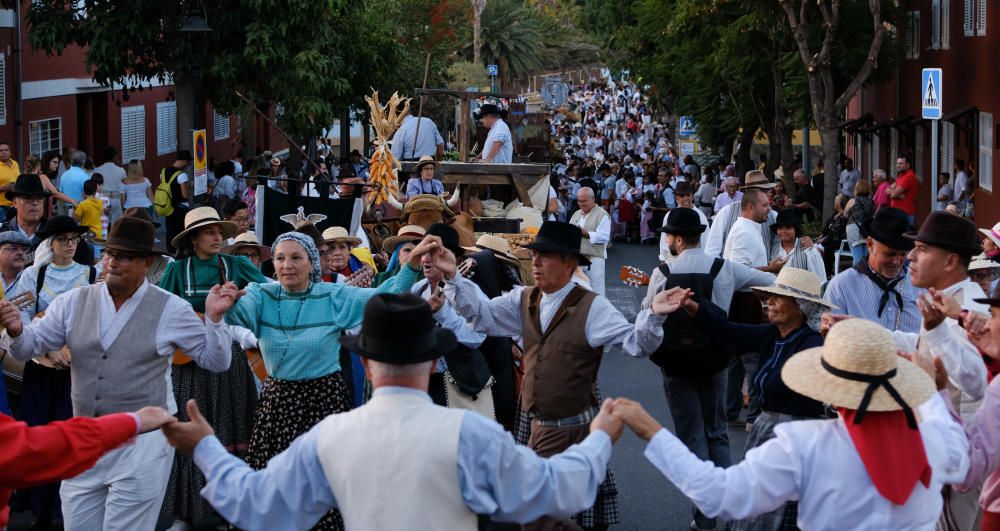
(399, 248)
(45, 390)
(298, 322)
(230, 397)
(794, 307)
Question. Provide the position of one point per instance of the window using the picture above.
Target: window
(936, 24)
(893, 146)
(134, 133)
(985, 151)
(947, 148)
(911, 45)
(221, 126)
(969, 22)
(166, 127)
(44, 136)
(945, 24)
(981, 19)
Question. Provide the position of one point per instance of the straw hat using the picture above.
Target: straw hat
(248, 239)
(424, 161)
(339, 234)
(406, 233)
(499, 246)
(982, 262)
(856, 356)
(798, 284)
(423, 202)
(993, 234)
(203, 217)
(757, 180)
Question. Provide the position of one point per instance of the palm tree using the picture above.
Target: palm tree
(477, 12)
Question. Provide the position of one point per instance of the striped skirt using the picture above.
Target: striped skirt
(289, 408)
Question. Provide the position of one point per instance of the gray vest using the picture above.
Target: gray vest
(127, 376)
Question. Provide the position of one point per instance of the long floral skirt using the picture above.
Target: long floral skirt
(289, 408)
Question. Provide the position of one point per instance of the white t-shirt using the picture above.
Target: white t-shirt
(500, 133)
(961, 185)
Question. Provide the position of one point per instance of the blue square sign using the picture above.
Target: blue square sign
(930, 93)
(687, 126)
(492, 70)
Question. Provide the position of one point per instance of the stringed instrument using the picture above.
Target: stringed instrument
(22, 301)
(254, 358)
(362, 278)
(633, 276)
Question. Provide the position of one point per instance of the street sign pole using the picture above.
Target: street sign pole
(931, 109)
(934, 164)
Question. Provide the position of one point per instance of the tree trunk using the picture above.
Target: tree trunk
(830, 135)
(248, 131)
(787, 154)
(743, 162)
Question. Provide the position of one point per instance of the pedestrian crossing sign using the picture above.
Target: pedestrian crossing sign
(930, 93)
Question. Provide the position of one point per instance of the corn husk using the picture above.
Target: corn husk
(385, 120)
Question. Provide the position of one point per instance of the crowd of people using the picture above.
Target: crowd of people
(305, 384)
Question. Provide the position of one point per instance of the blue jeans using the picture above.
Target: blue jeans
(698, 407)
(859, 252)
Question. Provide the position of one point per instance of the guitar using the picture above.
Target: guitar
(254, 358)
(362, 278)
(633, 276)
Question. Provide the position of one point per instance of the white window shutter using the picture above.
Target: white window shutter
(935, 24)
(133, 133)
(3, 89)
(915, 35)
(981, 19)
(985, 167)
(947, 148)
(969, 19)
(220, 126)
(945, 24)
(166, 127)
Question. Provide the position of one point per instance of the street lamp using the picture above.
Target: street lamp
(195, 26)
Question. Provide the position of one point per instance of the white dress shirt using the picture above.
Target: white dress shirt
(732, 277)
(744, 244)
(602, 234)
(724, 200)
(950, 342)
(606, 326)
(815, 463)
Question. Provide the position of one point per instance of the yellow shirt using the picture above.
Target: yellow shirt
(8, 174)
(89, 212)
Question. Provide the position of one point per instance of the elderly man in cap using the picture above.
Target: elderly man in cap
(122, 333)
(499, 145)
(873, 467)
(14, 248)
(438, 468)
(696, 392)
(595, 225)
(879, 288)
(565, 330)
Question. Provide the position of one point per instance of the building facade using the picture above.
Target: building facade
(884, 121)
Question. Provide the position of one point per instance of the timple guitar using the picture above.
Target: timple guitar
(633, 276)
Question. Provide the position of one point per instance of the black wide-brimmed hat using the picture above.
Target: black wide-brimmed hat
(993, 299)
(449, 238)
(559, 237)
(487, 110)
(399, 329)
(950, 232)
(787, 218)
(682, 222)
(28, 185)
(61, 225)
(132, 235)
(888, 227)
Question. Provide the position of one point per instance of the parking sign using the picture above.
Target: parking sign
(492, 70)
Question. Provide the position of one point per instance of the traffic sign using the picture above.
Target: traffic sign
(930, 93)
(688, 147)
(200, 162)
(492, 70)
(687, 126)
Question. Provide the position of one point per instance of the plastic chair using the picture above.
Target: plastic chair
(843, 252)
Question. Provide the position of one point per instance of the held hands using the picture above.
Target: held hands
(671, 300)
(10, 318)
(151, 418)
(775, 265)
(220, 299)
(185, 436)
(428, 245)
(638, 420)
(607, 421)
(932, 314)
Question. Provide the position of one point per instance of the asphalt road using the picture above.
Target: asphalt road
(647, 500)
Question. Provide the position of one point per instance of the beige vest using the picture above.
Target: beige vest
(590, 224)
(393, 464)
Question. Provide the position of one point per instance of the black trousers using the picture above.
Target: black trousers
(175, 225)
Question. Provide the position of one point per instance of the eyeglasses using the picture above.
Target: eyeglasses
(241, 221)
(120, 257)
(67, 239)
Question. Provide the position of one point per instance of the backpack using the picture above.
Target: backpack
(688, 350)
(163, 198)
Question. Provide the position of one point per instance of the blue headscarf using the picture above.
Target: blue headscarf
(309, 245)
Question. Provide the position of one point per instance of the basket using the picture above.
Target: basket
(517, 240)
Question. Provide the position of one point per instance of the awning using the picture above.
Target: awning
(961, 112)
(903, 123)
(852, 126)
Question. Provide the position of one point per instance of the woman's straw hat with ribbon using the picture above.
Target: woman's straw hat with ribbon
(199, 218)
(248, 239)
(798, 284)
(499, 246)
(337, 234)
(858, 368)
(406, 233)
(993, 234)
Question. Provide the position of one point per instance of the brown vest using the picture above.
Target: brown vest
(560, 368)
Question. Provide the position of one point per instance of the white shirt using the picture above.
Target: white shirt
(744, 245)
(499, 133)
(725, 200)
(426, 143)
(665, 255)
(815, 462)
(113, 176)
(732, 277)
(961, 185)
(950, 342)
(602, 234)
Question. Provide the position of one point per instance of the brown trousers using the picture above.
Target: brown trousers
(547, 442)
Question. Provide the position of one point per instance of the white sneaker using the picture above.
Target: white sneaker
(180, 525)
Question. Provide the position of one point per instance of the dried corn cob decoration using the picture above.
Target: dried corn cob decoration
(385, 120)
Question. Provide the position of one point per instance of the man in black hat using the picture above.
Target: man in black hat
(565, 329)
(696, 392)
(29, 198)
(499, 145)
(180, 192)
(438, 468)
(878, 288)
(122, 333)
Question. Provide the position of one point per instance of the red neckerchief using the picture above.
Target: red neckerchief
(893, 453)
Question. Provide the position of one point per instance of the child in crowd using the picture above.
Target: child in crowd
(89, 212)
